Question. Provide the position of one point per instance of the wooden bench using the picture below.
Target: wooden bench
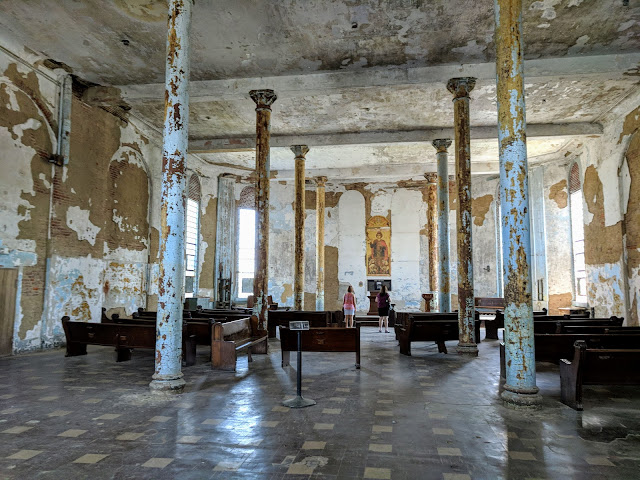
(488, 304)
(402, 319)
(492, 326)
(438, 330)
(596, 366)
(123, 337)
(279, 318)
(227, 339)
(551, 347)
(549, 324)
(320, 339)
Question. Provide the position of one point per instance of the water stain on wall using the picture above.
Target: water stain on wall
(479, 208)
(208, 224)
(603, 244)
(559, 300)
(331, 283)
(558, 193)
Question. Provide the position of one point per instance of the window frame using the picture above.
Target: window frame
(196, 255)
(578, 300)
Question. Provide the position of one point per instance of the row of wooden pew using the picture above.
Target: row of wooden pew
(226, 331)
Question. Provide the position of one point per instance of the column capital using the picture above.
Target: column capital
(432, 178)
(299, 150)
(441, 144)
(461, 86)
(321, 181)
(263, 98)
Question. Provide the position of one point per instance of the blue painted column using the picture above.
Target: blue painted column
(461, 87)
(444, 280)
(263, 99)
(520, 389)
(168, 365)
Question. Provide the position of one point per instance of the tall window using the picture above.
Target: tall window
(246, 242)
(192, 232)
(577, 236)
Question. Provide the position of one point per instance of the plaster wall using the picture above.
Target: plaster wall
(558, 236)
(79, 233)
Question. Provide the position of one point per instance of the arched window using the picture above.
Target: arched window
(246, 242)
(577, 235)
(191, 237)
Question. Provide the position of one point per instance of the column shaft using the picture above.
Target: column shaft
(461, 87)
(320, 204)
(520, 388)
(263, 99)
(444, 282)
(168, 362)
(432, 229)
(298, 279)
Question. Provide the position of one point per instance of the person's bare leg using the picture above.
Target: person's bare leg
(386, 324)
(380, 324)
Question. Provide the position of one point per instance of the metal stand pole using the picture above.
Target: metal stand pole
(299, 401)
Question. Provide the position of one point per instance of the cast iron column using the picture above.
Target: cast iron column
(444, 282)
(263, 99)
(298, 280)
(320, 203)
(520, 388)
(460, 87)
(168, 363)
(432, 229)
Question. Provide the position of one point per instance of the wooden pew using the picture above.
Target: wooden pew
(123, 337)
(230, 337)
(420, 329)
(550, 324)
(492, 326)
(488, 304)
(597, 366)
(279, 318)
(320, 339)
(402, 319)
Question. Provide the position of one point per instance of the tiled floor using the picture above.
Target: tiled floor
(429, 416)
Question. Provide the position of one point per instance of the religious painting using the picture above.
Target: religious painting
(378, 247)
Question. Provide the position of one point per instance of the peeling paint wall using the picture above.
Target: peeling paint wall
(558, 237)
(348, 207)
(86, 224)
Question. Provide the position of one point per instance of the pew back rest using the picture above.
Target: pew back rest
(607, 366)
(321, 339)
(127, 335)
(489, 304)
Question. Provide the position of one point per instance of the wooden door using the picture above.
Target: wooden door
(8, 290)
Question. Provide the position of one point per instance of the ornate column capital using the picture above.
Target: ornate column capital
(441, 144)
(321, 181)
(432, 178)
(263, 98)
(299, 150)
(461, 86)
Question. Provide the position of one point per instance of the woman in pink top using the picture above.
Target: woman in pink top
(349, 306)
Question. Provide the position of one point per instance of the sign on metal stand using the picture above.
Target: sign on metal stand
(299, 401)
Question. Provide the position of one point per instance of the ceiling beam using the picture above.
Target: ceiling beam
(216, 145)
(605, 66)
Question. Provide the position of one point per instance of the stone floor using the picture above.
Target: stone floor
(429, 416)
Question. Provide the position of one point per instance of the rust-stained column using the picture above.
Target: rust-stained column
(520, 389)
(444, 283)
(320, 203)
(298, 280)
(168, 363)
(460, 87)
(263, 99)
(432, 229)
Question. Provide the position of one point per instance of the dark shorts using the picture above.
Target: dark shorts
(383, 311)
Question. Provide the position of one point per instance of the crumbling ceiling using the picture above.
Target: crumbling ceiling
(360, 66)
